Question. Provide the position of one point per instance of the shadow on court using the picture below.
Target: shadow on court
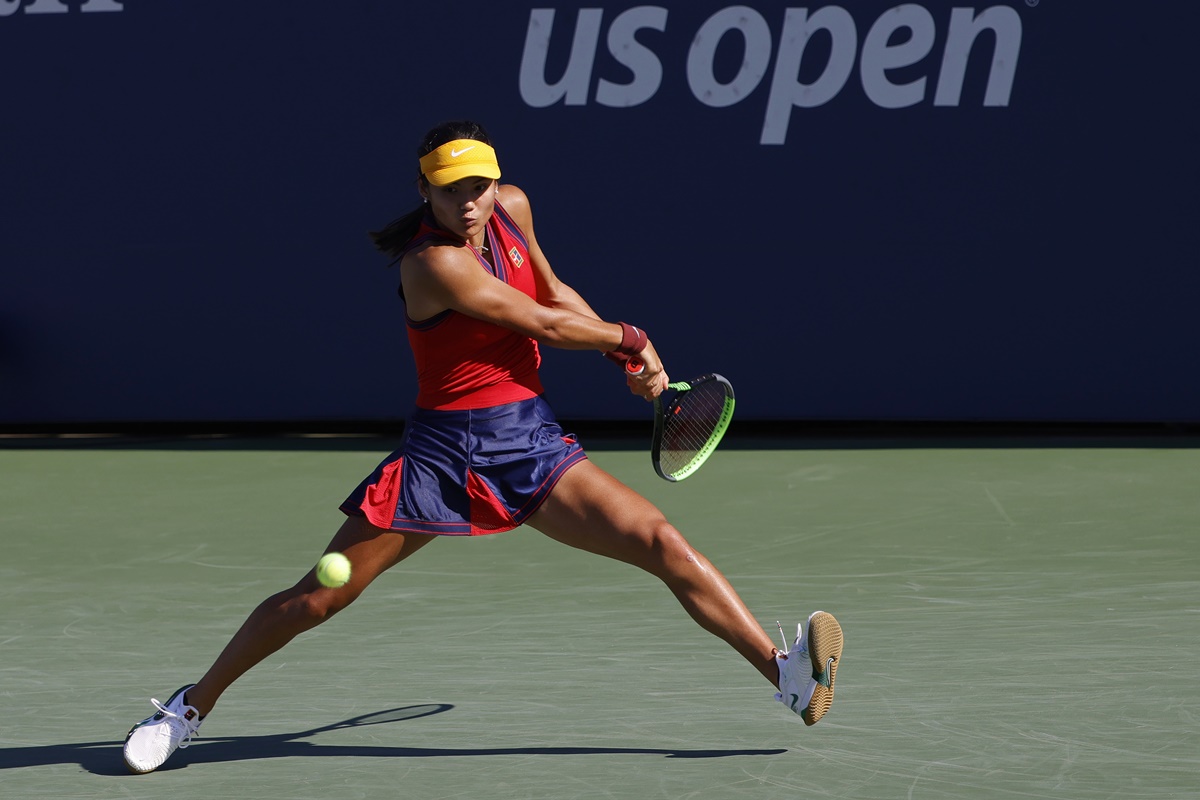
(104, 758)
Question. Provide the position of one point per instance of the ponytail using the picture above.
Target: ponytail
(396, 235)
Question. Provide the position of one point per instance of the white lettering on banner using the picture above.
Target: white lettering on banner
(964, 29)
(756, 50)
(10, 7)
(878, 57)
(573, 86)
(798, 27)
(641, 61)
(882, 52)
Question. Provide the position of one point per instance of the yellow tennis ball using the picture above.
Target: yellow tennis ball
(333, 570)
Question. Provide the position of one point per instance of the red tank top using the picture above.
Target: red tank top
(463, 362)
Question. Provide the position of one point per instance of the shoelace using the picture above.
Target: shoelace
(177, 721)
(784, 652)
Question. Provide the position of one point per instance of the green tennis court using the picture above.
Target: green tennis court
(1021, 622)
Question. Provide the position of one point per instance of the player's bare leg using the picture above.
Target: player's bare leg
(593, 511)
(280, 618)
(269, 627)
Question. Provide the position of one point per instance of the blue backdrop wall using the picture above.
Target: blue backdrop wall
(863, 211)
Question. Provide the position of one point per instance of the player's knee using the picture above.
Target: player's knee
(669, 551)
(314, 607)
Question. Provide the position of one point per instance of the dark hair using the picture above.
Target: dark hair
(396, 235)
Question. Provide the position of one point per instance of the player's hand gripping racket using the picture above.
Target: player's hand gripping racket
(689, 425)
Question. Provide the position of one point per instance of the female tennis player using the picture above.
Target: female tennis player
(482, 452)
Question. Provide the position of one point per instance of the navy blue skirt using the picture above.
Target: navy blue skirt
(465, 473)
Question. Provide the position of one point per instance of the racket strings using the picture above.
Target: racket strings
(689, 424)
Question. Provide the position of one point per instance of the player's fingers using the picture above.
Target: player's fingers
(658, 384)
(638, 387)
(648, 385)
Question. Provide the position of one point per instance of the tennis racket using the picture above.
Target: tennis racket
(690, 419)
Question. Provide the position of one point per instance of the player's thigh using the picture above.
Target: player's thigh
(373, 550)
(593, 511)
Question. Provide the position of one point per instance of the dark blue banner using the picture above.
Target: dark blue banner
(863, 211)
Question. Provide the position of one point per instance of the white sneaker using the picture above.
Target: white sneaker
(806, 672)
(152, 741)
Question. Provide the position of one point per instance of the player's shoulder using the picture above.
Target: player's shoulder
(516, 203)
(437, 255)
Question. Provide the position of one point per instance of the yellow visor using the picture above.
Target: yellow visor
(462, 158)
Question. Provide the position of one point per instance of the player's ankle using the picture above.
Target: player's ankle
(203, 709)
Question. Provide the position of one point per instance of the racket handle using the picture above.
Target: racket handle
(635, 366)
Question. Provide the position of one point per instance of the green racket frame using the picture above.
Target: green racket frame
(702, 453)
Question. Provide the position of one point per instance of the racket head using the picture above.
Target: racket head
(689, 426)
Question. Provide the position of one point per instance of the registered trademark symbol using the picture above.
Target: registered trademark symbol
(1032, 3)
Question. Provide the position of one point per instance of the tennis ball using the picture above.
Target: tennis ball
(333, 570)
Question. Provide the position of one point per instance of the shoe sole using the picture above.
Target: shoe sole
(825, 651)
(136, 769)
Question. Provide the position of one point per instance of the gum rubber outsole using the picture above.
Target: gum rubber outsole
(825, 642)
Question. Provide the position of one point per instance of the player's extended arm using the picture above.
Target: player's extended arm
(450, 278)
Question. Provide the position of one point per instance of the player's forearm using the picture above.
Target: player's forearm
(570, 329)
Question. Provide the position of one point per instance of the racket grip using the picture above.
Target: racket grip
(635, 366)
(616, 358)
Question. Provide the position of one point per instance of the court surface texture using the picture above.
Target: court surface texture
(1022, 621)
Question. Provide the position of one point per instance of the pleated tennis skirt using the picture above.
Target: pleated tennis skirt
(466, 473)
